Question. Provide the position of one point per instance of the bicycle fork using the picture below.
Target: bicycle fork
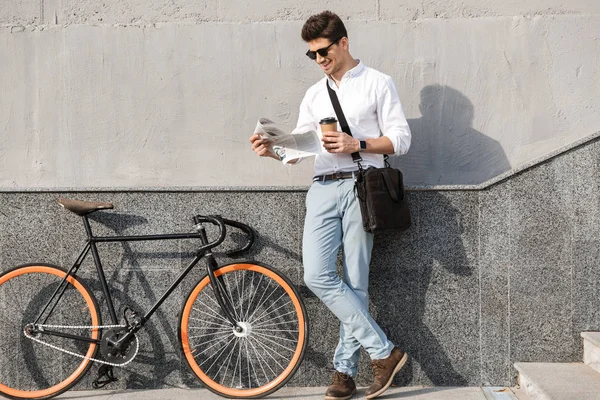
(218, 286)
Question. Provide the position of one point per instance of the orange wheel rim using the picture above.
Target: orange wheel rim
(90, 303)
(185, 338)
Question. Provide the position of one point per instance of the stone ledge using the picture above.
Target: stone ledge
(559, 381)
(592, 337)
(591, 349)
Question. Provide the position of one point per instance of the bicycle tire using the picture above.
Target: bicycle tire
(31, 370)
(260, 367)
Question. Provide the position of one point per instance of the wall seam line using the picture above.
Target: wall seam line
(510, 263)
(480, 267)
(572, 253)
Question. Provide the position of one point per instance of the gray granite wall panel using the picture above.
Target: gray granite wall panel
(4, 220)
(586, 191)
(31, 232)
(481, 280)
(541, 210)
(449, 288)
(541, 254)
(494, 249)
(448, 229)
(540, 312)
(586, 288)
(586, 241)
(394, 290)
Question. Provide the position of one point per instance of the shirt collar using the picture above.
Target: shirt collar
(351, 72)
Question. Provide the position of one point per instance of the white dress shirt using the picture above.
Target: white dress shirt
(372, 108)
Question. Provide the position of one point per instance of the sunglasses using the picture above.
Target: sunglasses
(322, 52)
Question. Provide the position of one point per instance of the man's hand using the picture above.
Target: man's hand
(262, 147)
(340, 142)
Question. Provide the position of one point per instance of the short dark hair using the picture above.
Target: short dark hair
(324, 25)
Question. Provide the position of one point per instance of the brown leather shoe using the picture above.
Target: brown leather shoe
(384, 371)
(342, 387)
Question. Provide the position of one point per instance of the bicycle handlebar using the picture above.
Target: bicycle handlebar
(249, 234)
(221, 222)
(215, 220)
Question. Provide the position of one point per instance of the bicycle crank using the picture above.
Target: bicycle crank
(122, 354)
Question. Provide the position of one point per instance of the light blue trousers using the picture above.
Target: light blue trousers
(333, 219)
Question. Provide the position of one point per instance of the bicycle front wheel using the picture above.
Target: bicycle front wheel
(44, 365)
(266, 353)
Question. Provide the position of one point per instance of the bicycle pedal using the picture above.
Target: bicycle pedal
(132, 318)
(105, 376)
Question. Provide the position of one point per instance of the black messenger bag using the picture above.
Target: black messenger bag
(380, 191)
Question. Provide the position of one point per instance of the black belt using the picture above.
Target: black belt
(333, 177)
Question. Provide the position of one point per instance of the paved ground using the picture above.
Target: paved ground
(312, 393)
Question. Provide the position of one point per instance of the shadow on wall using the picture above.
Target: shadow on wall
(445, 148)
(404, 267)
(155, 361)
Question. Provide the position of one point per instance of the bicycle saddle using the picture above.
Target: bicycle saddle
(81, 207)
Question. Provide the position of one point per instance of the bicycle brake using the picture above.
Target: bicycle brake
(105, 376)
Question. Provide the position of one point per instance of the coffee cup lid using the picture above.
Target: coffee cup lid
(329, 120)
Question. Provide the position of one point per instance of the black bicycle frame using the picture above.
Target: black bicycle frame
(92, 240)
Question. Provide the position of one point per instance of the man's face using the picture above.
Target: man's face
(332, 62)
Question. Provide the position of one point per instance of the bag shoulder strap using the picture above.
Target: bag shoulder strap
(341, 117)
(392, 189)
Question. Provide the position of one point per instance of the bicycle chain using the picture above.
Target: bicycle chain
(137, 342)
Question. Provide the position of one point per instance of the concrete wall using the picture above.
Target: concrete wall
(165, 94)
(482, 279)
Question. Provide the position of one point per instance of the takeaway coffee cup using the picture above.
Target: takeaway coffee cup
(328, 124)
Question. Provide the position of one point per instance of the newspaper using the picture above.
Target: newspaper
(289, 146)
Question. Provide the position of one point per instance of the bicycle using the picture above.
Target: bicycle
(243, 338)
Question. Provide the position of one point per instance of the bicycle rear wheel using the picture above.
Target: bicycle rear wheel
(28, 368)
(266, 354)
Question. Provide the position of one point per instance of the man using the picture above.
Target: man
(374, 114)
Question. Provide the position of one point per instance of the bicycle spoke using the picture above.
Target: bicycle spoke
(263, 325)
(269, 351)
(218, 307)
(278, 337)
(218, 340)
(261, 358)
(207, 334)
(274, 330)
(263, 349)
(259, 301)
(241, 297)
(272, 311)
(274, 342)
(264, 301)
(217, 354)
(228, 293)
(248, 364)
(213, 315)
(237, 290)
(236, 365)
(228, 358)
(282, 315)
(202, 322)
(246, 317)
(214, 330)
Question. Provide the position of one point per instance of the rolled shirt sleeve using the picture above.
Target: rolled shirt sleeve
(392, 121)
(306, 121)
